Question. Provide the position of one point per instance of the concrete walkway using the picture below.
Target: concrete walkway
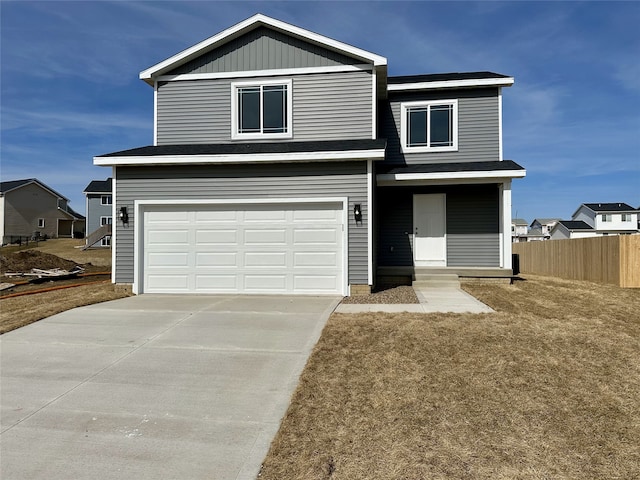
(432, 300)
(153, 387)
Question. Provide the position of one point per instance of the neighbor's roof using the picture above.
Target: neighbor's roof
(543, 221)
(10, 185)
(575, 225)
(609, 207)
(247, 25)
(99, 186)
(519, 221)
(448, 80)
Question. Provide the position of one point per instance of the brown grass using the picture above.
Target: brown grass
(69, 248)
(547, 388)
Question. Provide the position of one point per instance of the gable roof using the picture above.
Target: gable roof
(448, 80)
(6, 187)
(247, 25)
(609, 207)
(543, 221)
(519, 221)
(574, 225)
(99, 186)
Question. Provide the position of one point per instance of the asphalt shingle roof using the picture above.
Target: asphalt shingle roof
(458, 167)
(442, 77)
(99, 186)
(576, 225)
(609, 207)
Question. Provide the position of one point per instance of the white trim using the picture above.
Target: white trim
(235, 135)
(428, 149)
(106, 195)
(155, 113)
(247, 25)
(263, 73)
(114, 228)
(139, 205)
(106, 216)
(505, 226)
(387, 178)
(374, 105)
(500, 154)
(478, 82)
(319, 156)
(41, 223)
(370, 221)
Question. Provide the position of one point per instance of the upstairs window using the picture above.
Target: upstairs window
(607, 217)
(105, 200)
(105, 221)
(626, 217)
(261, 110)
(429, 126)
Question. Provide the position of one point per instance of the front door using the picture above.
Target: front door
(429, 227)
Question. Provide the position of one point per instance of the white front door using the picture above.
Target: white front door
(429, 228)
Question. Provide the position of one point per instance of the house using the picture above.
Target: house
(284, 161)
(99, 212)
(519, 230)
(544, 225)
(29, 209)
(598, 219)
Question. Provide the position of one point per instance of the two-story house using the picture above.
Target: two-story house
(284, 161)
(598, 219)
(541, 227)
(519, 230)
(30, 208)
(99, 208)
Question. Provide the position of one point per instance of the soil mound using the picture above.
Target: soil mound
(25, 260)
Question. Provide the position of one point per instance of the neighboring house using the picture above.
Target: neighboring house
(519, 230)
(99, 210)
(544, 225)
(572, 229)
(284, 161)
(30, 209)
(608, 218)
(534, 235)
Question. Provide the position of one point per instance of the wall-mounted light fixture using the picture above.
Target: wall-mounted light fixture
(357, 212)
(124, 216)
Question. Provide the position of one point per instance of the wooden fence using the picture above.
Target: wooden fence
(613, 259)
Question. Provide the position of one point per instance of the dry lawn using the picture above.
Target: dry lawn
(69, 248)
(547, 388)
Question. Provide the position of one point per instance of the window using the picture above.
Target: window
(41, 223)
(606, 217)
(626, 217)
(105, 200)
(105, 242)
(429, 126)
(105, 221)
(261, 110)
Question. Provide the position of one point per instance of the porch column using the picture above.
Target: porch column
(505, 224)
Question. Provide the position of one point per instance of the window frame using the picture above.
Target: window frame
(107, 218)
(106, 199)
(235, 127)
(405, 107)
(626, 217)
(41, 223)
(607, 218)
(105, 241)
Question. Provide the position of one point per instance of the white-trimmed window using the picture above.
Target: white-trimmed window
(429, 126)
(41, 223)
(105, 221)
(105, 200)
(105, 242)
(261, 109)
(626, 217)
(607, 217)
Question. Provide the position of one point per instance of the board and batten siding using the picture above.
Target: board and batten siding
(331, 106)
(263, 49)
(233, 182)
(478, 127)
(472, 217)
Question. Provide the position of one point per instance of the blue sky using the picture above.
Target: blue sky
(70, 87)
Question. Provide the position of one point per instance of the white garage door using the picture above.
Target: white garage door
(273, 248)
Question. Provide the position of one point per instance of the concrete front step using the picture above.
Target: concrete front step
(436, 280)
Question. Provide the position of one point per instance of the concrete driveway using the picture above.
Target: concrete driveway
(153, 387)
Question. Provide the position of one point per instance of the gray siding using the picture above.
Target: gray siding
(332, 106)
(245, 182)
(95, 210)
(473, 238)
(478, 127)
(25, 205)
(263, 49)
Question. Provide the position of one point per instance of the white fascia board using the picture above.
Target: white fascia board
(452, 175)
(246, 25)
(242, 158)
(263, 73)
(478, 82)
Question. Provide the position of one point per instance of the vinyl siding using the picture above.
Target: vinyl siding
(478, 127)
(263, 49)
(95, 210)
(325, 107)
(25, 205)
(347, 179)
(472, 217)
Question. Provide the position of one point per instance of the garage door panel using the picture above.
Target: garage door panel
(273, 248)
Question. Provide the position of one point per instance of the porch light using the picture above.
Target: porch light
(124, 216)
(357, 213)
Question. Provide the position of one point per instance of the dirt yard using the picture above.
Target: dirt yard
(17, 311)
(546, 388)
